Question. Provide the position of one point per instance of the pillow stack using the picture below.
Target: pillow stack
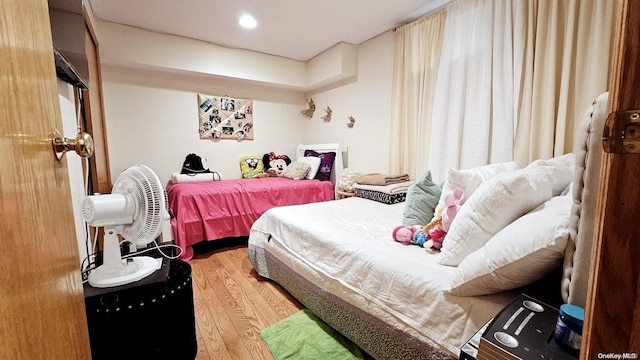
(511, 229)
(496, 203)
(313, 165)
(326, 163)
(521, 253)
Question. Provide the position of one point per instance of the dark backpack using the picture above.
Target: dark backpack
(194, 164)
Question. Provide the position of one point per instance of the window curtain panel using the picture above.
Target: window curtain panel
(566, 60)
(418, 48)
(511, 81)
(473, 106)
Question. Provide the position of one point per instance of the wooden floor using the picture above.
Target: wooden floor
(233, 304)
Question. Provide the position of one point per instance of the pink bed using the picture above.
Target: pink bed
(220, 209)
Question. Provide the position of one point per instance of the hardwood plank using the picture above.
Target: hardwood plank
(256, 301)
(270, 291)
(210, 341)
(233, 304)
(224, 323)
(239, 307)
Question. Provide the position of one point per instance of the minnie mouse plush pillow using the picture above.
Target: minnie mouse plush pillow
(275, 163)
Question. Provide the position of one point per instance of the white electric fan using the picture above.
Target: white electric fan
(135, 209)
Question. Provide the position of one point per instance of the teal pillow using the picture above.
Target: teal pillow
(422, 198)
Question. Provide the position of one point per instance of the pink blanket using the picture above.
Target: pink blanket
(219, 209)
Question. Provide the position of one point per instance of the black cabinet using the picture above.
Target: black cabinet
(523, 330)
(150, 319)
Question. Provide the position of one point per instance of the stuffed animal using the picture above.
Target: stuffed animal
(438, 227)
(410, 235)
(432, 235)
(420, 238)
(452, 203)
(436, 238)
(435, 232)
(274, 164)
(404, 234)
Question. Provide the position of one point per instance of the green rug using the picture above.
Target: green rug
(304, 336)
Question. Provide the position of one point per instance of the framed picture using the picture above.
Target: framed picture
(223, 117)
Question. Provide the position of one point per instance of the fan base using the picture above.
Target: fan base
(128, 272)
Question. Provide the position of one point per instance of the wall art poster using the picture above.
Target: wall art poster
(222, 117)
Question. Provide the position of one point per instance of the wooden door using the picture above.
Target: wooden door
(94, 117)
(41, 298)
(612, 324)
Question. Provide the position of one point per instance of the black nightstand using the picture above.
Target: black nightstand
(152, 318)
(523, 330)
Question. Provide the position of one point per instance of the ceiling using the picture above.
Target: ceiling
(295, 29)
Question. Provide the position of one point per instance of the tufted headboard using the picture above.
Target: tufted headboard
(588, 152)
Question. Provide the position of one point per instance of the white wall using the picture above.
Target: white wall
(368, 100)
(152, 119)
(151, 112)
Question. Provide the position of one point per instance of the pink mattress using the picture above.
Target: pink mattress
(219, 209)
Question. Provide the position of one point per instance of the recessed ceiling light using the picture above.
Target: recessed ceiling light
(247, 21)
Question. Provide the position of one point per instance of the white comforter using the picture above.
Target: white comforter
(346, 247)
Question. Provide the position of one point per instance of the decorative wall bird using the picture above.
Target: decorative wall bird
(351, 122)
(327, 117)
(308, 113)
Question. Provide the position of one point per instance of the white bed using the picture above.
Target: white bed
(339, 260)
(400, 284)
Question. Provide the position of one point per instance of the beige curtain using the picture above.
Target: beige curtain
(560, 64)
(565, 67)
(418, 47)
(472, 123)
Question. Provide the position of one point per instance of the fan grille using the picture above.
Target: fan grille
(141, 183)
(88, 210)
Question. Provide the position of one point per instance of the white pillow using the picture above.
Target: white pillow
(566, 160)
(523, 252)
(469, 180)
(495, 204)
(314, 162)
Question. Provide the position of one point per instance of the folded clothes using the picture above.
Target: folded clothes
(386, 194)
(381, 179)
(397, 188)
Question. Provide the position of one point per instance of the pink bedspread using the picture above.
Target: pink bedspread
(219, 209)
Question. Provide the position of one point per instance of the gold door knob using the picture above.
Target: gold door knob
(82, 144)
